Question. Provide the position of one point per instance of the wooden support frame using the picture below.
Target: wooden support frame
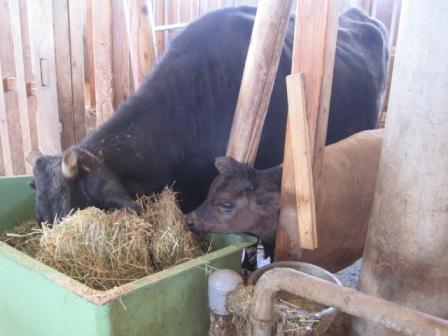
(268, 35)
(143, 45)
(123, 86)
(103, 59)
(67, 22)
(316, 28)
(302, 162)
(14, 90)
(29, 70)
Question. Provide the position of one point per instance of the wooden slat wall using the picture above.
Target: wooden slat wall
(67, 21)
(53, 79)
(11, 59)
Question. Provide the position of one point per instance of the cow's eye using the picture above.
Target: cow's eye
(226, 207)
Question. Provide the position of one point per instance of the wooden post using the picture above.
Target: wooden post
(68, 39)
(262, 61)
(142, 39)
(121, 62)
(5, 158)
(160, 21)
(30, 78)
(43, 56)
(313, 56)
(103, 63)
(14, 108)
(302, 162)
(90, 55)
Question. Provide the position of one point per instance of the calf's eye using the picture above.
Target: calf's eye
(226, 207)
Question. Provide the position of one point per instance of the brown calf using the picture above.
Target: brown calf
(243, 199)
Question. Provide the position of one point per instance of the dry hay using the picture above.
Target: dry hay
(107, 249)
(295, 316)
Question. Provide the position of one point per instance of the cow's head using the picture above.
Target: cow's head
(75, 180)
(240, 200)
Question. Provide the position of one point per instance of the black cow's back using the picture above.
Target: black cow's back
(179, 120)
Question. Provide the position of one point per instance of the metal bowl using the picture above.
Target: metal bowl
(325, 316)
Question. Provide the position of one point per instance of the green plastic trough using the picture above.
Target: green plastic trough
(36, 300)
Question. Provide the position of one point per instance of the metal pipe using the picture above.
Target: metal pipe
(171, 26)
(391, 315)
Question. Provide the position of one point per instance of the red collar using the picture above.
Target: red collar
(91, 155)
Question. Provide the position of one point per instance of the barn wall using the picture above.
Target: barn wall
(51, 58)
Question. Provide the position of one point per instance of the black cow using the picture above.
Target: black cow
(177, 123)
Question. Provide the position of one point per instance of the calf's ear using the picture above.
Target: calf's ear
(268, 203)
(226, 164)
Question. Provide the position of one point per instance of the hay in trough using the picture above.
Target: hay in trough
(107, 249)
(24, 237)
(295, 316)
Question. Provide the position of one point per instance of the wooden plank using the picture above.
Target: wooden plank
(20, 81)
(90, 55)
(160, 21)
(302, 161)
(121, 66)
(316, 28)
(5, 149)
(77, 68)
(30, 79)
(186, 11)
(173, 17)
(67, 21)
(42, 51)
(262, 60)
(142, 40)
(8, 59)
(103, 63)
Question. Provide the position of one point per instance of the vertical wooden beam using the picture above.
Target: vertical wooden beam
(172, 18)
(77, 68)
(43, 56)
(103, 63)
(262, 61)
(68, 43)
(160, 21)
(20, 80)
(186, 11)
(302, 162)
(30, 79)
(8, 59)
(142, 40)
(313, 56)
(90, 54)
(121, 63)
(6, 167)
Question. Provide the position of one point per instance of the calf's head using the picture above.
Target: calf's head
(240, 200)
(75, 180)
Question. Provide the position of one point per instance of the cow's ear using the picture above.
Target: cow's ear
(226, 164)
(274, 174)
(268, 203)
(70, 163)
